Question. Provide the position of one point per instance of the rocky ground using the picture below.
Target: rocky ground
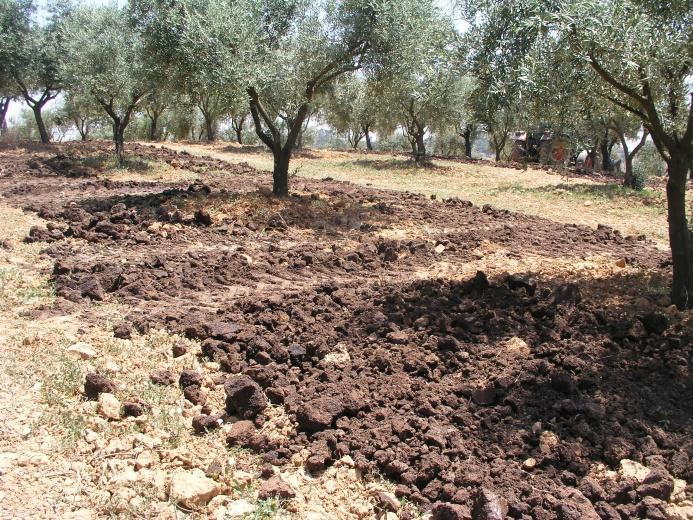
(347, 352)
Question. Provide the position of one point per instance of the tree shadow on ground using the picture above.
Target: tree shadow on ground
(605, 191)
(408, 165)
(105, 162)
(476, 379)
(263, 150)
(245, 149)
(199, 205)
(449, 386)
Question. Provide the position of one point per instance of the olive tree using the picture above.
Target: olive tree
(635, 54)
(32, 53)
(83, 111)
(418, 83)
(155, 103)
(351, 109)
(106, 60)
(625, 127)
(465, 122)
(641, 51)
(281, 54)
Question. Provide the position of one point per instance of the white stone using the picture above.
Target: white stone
(632, 469)
(346, 460)
(112, 366)
(192, 489)
(147, 440)
(144, 460)
(125, 477)
(439, 248)
(81, 350)
(218, 501)
(340, 356)
(682, 511)
(91, 436)
(239, 509)
(109, 406)
(679, 493)
(529, 463)
(547, 441)
(517, 346)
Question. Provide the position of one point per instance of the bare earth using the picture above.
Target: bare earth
(414, 357)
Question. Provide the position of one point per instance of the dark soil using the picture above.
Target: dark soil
(430, 393)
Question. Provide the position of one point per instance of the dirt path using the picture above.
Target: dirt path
(389, 353)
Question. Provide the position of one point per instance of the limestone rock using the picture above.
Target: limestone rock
(239, 509)
(632, 469)
(81, 350)
(517, 347)
(109, 406)
(192, 489)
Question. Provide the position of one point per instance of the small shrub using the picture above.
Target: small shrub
(639, 177)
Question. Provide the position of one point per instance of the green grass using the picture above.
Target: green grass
(266, 509)
(167, 417)
(60, 387)
(18, 290)
(613, 192)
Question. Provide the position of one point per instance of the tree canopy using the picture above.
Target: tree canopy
(107, 61)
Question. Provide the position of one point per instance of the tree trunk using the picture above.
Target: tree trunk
(45, 137)
(239, 134)
(628, 155)
(153, 127)
(420, 148)
(356, 141)
(82, 128)
(497, 149)
(369, 144)
(4, 106)
(119, 140)
(280, 174)
(592, 154)
(209, 128)
(467, 136)
(679, 234)
(606, 156)
(628, 179)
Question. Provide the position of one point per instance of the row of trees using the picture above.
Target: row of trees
(598, 72)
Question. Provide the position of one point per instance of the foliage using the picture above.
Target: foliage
(649, 161)
(417, 85)
(107, 61)
(31, 55)
(351, 108)
(81, 111)
(639, 177)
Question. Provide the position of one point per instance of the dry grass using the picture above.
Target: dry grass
(534, 192)
(136, 169)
